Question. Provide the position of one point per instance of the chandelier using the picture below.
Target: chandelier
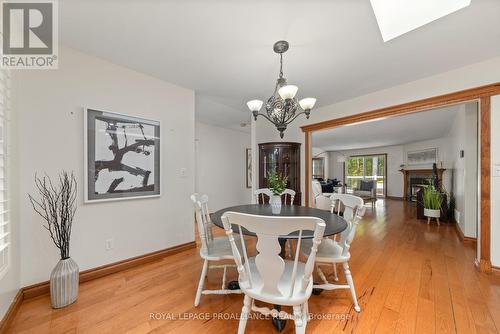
(282, 107)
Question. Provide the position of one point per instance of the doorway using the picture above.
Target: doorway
(482, 95)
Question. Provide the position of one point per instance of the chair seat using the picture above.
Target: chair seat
(328, 251)
(363, 193)
(219, 249)
(299, 296)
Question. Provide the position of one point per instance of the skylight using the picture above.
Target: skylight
(397, 17)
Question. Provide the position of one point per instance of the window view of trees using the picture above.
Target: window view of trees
(370, 167)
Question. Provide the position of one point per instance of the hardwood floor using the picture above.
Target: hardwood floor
(410, 278)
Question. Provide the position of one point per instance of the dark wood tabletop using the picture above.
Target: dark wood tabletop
(334, 223)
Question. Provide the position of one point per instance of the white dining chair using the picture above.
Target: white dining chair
(267, 277)
(213, 249)
(320, 198)
(289, 196)
(316, 188)
(263, 195)
(333, 252)
(326, 203)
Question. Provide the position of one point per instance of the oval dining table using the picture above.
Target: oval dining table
(334, 224)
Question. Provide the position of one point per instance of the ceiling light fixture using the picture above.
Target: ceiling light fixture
(397, 17)
(282, 106)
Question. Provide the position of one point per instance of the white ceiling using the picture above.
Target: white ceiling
(388, 131)
(223, 49)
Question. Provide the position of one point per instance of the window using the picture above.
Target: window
(318, 168)
(368, 167)
(4, 204)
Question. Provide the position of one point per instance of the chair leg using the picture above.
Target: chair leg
(298, 318)
(335, 275)
(245, 311)
(348, 276)
(200, 284)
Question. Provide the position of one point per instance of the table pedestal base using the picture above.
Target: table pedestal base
(278, 323)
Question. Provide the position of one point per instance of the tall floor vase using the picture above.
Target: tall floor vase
(64, 283)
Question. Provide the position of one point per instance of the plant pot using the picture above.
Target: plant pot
(432, 213)
(64, 283)
(275, 202)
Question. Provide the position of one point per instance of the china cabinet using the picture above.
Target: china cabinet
(284, 157)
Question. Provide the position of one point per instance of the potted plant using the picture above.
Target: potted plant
(432, 199)
(57, 206)
(277, 184)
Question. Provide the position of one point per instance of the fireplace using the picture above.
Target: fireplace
(414, 179)
(415, 183)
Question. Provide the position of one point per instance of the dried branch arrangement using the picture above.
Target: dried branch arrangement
(57, 206)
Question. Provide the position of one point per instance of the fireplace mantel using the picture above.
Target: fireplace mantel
(407, 173)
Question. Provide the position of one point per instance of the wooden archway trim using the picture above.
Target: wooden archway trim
(409, 107)
(481, 94)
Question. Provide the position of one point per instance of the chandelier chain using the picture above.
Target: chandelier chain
(281, 65)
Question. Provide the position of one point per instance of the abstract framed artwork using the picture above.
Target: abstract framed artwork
(122, 156)
(249, 167)
(422, 157)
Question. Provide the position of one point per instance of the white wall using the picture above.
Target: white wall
(463, 136)
(221, 165)
(335, 168)
(50, 132)
(495, 181)
(474, 75)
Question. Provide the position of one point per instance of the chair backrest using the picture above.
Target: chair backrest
(316, 188)
(367, 185)
(263, 195)
(203, 220)
(269, 264)
(353, 210)
(289, 196)
(324, 203)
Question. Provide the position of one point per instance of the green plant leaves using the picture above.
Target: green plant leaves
(276, 182)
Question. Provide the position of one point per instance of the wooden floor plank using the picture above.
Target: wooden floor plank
(410, 278)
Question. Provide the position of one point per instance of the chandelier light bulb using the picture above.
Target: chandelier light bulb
(288, 92)
(307, 103)
(254, 105)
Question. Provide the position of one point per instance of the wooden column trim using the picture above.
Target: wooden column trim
(485, 237)
(308, 168)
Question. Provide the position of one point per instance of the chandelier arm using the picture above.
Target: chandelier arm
(287, 108)
(294, 117)
(265, 116)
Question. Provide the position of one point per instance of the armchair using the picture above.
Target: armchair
(367, 190)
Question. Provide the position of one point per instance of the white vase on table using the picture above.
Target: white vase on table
(275, 202)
